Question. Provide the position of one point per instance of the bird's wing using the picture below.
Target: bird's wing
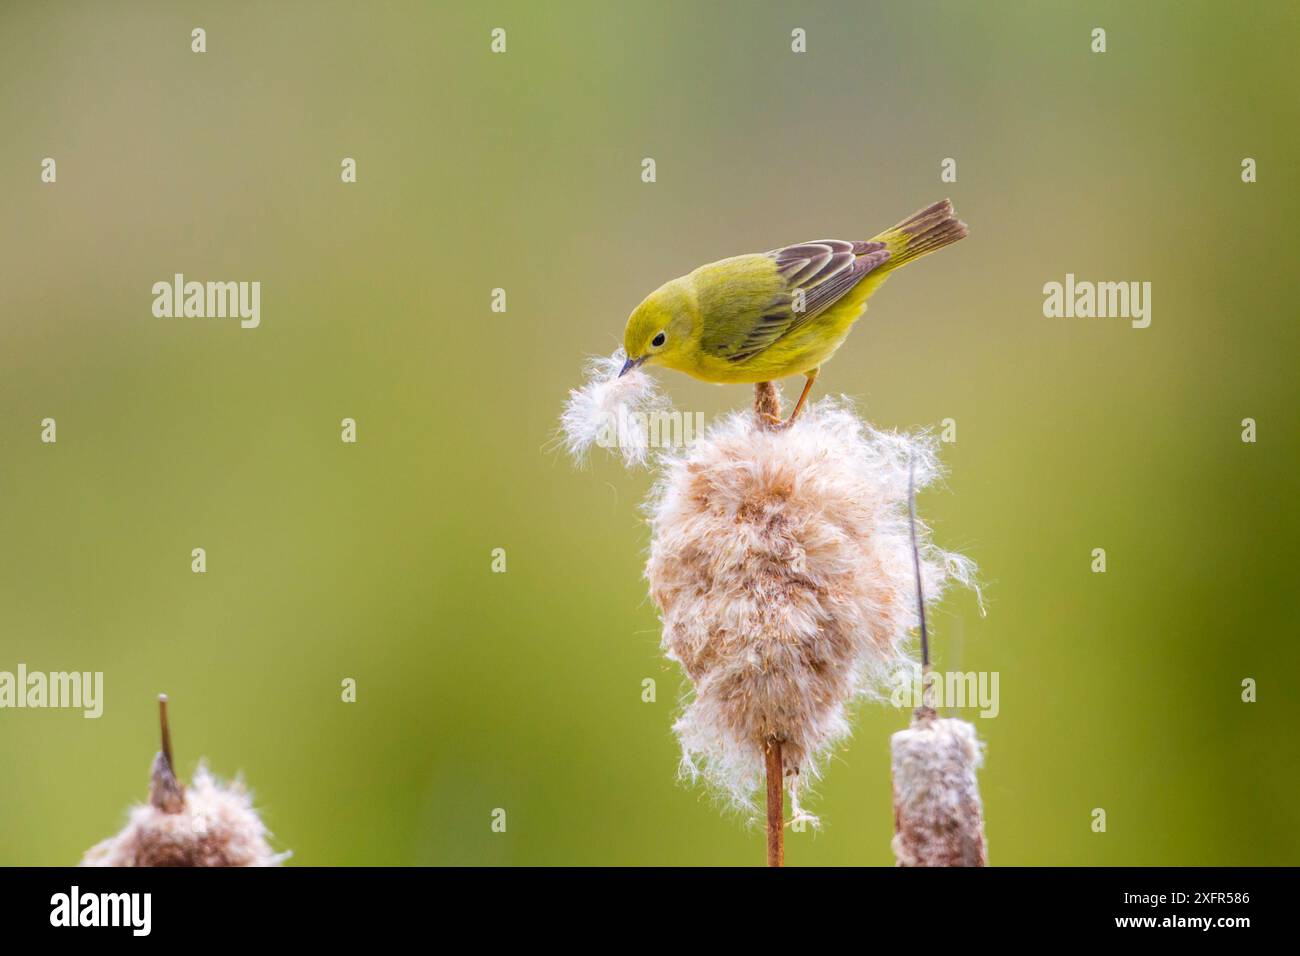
(812, 276)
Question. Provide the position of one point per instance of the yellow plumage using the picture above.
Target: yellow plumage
(762, 316)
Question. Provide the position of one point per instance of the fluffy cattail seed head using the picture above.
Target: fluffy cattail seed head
(216, 825)
(938, 817)
(781, 562)
(205, 824)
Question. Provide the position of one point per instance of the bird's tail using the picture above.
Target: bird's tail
(922, 232)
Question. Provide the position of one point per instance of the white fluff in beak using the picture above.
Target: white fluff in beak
(613, 412)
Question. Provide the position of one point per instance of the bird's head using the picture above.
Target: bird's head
(661, 330)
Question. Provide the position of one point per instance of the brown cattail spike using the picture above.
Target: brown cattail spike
(165, 791)
(165, 728)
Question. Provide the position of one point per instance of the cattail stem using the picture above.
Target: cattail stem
(775, 804)
(927, 691)
(767, 403)
(767, 406)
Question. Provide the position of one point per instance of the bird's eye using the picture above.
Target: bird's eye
(658, 340)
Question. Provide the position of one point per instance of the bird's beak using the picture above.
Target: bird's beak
(630, 364)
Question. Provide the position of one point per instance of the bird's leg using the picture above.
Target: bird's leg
(803, 397)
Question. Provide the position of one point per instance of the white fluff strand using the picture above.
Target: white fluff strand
(612, 412)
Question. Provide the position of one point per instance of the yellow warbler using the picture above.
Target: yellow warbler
(761, 316)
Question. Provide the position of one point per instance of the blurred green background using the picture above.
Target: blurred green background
(373, 561)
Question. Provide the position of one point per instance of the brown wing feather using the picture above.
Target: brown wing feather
(823, 271)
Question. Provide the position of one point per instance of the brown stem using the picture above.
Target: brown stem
(166, 730)
(775, 805)
(927, 681)
(767, 406)
(767, 403)
(165, 791)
